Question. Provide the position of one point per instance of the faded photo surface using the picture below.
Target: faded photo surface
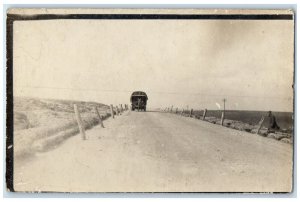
(141, 104)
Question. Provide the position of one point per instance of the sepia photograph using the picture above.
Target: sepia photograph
(150, 100)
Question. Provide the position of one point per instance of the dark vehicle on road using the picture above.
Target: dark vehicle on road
(138, 100)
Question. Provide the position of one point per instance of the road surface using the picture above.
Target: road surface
(160, 152)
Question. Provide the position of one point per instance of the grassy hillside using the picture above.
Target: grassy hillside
(40, 124)
(33, 112)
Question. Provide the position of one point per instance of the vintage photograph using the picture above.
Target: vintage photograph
(150, 100)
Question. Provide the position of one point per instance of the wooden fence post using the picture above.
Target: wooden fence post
(99, 116)
(182, 112)
(171, 108)
(79, 122)
(222, 119)
(260, 124)
(204, 114)
(117, 111)
(121, 107)
(191, 112)
(112, 111)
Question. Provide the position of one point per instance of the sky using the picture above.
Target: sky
(186, 63)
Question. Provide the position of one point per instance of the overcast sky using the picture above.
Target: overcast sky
(187, 62)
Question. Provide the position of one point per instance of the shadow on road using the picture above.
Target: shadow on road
(148, 111)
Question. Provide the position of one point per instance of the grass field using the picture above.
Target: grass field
(249, 121)
(33, 112)
(284, 119)
(43, 123)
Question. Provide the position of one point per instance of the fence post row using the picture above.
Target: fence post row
(79, 122)
(99, 116)
(191, 113)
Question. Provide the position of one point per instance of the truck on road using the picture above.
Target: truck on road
(138, 100)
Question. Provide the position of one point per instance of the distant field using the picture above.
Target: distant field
(284, 119)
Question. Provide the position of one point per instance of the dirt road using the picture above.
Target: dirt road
(160, 152)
